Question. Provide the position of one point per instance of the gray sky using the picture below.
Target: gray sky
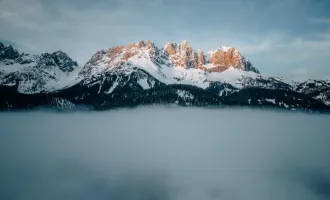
(281, 38)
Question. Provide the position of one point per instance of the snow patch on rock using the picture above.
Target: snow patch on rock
(144, 83)
(271, 101)
(62, 103)
(185, 95)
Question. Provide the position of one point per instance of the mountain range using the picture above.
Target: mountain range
(145, 74)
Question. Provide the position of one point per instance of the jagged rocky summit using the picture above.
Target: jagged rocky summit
(143, 73)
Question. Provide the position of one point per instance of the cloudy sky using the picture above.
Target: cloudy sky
(281, 38)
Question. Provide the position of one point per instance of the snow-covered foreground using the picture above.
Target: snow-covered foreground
(165, 153)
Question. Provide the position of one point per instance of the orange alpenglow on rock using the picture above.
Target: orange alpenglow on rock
(182, 55)
(133, 49)
(175, 55)
(223, 58)
(170, 48)
(201, 58)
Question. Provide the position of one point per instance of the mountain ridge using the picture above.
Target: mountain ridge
(142, 73)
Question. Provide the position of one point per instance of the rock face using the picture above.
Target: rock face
(225, 57)
(173, 55)
(8, 52)
(57, 59)
(318, 89)
(63, 61)
(182, 55)
(35, 73)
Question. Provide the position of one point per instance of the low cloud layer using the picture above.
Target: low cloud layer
(165, 153)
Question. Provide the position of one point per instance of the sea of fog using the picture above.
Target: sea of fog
(165, 153)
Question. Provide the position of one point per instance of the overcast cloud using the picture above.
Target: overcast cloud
(286, 37)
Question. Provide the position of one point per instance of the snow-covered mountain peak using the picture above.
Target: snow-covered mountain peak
(225, 57)
(36, 73)
(59, 59)
(8, 52)
(176, 63)
(173, 55)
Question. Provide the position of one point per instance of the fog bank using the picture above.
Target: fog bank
(163, 153)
